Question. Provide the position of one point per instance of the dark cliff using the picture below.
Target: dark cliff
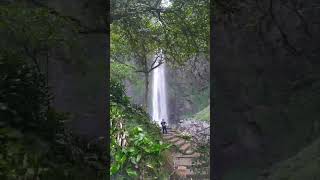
(266, 83)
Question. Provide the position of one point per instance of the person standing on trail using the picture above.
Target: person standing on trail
(164, 126)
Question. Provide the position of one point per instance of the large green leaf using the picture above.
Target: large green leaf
(131, 173)
(138, 158)
(114, 168)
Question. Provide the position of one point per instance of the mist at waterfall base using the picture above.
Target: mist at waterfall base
(159, 94)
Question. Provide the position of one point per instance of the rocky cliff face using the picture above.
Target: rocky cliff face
(199, 130)
(188, 89)
(266, 82)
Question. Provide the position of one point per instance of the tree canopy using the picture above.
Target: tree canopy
(180, 29)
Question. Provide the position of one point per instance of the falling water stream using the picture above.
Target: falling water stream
(159, 93)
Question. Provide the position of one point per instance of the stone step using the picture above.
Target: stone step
(183, 157)
(180, 142)
(186, 171)
(185, 147)
(171, 131)
(173, 140)
(187, 163)
(169, 136)
(181, 168)
(183, 161)
(188, 152)
(196, 176)
(193, 155)
(183, 171)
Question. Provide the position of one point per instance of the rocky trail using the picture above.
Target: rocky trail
(183, 154)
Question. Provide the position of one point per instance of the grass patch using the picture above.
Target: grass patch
(203, 115)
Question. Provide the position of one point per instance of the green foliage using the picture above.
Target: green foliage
(203, 115)
(142, 154)
(33, 141)
(141, 29)
(143, 151)
(34, 33)
(140, 150)
(181, 29)
(16, 159)
(24, 96)
(124, 8)
(36, 27)
(121, 72)
(134, 40)
(201, 164)
(27, 156)
(117, 92)
(185, 26)
(118, 45)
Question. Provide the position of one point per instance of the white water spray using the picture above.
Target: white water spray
(159, 93)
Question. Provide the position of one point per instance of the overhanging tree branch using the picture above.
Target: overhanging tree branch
(151, 69)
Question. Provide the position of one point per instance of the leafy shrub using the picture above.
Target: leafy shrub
(34, 144)
(141, 155)
(136, 146)
(117, 92)
(24, 95)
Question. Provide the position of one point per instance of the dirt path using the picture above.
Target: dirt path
(183, 154)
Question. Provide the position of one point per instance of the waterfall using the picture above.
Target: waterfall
(159, 93)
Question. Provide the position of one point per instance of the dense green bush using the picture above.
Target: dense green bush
(117, 93)
(34, 144)
(136, 146)
(24, 96)
(142, 151)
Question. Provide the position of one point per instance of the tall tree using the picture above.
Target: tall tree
(141, 29)
(137, 41)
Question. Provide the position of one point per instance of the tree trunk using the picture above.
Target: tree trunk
(146, 75)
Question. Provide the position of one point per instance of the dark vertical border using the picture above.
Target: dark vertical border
(107, 86)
